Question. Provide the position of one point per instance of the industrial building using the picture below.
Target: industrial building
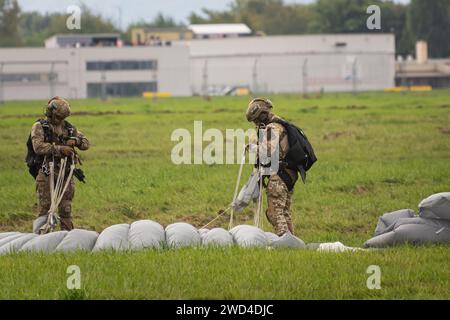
(149, 36)
(275, 64)
(422, 71)
(76, 73)
(83, 40)
(292, 64)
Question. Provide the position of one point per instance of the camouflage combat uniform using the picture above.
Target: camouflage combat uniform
(51, 151)
(278, 195)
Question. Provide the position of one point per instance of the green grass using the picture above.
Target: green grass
(378, 152)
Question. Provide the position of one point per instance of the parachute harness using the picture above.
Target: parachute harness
(56, 193)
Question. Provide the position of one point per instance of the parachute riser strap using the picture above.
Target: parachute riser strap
(257, 219)
(56, 193)
(236, 189)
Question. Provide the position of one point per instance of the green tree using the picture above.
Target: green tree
(9, 23)
(36, 27)
(268, 16)
(430, 21)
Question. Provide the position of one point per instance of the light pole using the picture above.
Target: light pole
(305, 77)
(1, 83)
(120, 17)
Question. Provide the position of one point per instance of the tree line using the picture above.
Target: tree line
(418, 20)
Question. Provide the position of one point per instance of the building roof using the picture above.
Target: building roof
(432, 68)
(84, 35)
(222, 28)
(158, 29)
(378, 43)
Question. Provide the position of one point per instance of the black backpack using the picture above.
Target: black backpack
(33, 160)
(300, 156)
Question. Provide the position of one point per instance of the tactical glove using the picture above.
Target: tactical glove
(66, 151)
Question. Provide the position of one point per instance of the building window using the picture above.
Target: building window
(120, 89)
(28, 77)
(118, 65)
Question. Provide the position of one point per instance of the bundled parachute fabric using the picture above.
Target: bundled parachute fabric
(45, 243)
(182, 234)
(249, 236)
(436, 206)
(16, 244)
(39, 223)
(144, 234)
(217, 237)
(114, 237)
(141, 234)
(78, 239)
(288, 240)
(248, 193)
(432, 225)
(387, 221)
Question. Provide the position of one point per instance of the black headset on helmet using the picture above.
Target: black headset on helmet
(267, 101)
(51, 106)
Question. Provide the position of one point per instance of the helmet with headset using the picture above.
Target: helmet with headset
(57, 107)
(257, 107)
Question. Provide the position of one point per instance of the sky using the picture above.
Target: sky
(127, 11)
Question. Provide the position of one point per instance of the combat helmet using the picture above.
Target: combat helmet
(58, 107)
(256, 107)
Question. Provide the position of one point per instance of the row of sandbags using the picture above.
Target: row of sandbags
(142, 235)
(430, 225)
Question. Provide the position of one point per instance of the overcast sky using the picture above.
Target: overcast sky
(135, 10)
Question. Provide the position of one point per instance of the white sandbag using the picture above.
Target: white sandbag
(182, 234)
(7, 234)
(10, 238)
(271, 237)
(436, 206)
(146, 234)
(78, 239)
(386, 221)
(16, 244)
(288, 240)
(38, 223)
(249, 236)
(114, 237)
(218, 237)
(45, 243)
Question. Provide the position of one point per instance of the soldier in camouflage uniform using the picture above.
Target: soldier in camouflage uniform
(54, 138)
(279, 195)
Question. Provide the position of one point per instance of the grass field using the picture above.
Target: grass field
(378, 152)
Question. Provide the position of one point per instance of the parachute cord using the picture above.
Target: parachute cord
(257, 220)
(57, 192)
(236, 189)
(221, 214)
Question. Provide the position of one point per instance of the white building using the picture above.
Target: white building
(289, 64)
(83, 40)
(278, 64)
(220, 30)
(41, 73)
